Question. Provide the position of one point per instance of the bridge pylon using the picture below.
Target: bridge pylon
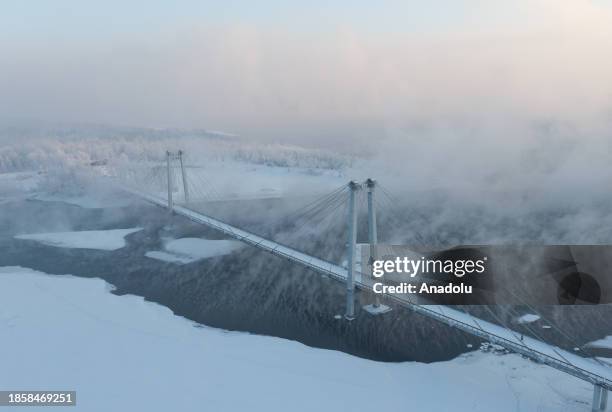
(352, 246)
(170, 157)
(600, 398)
(376, 308)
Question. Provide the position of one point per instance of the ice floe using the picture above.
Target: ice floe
(111, 239)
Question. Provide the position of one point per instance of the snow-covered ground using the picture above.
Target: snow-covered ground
(527, 318)
(218, 180)
(111, 239)
(121, 353)
(189, 249)
(18, 185)
(88, 200)
(24, 181)
(604, 343)
(232, 179)
(44, 186)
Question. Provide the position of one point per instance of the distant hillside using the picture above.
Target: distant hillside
(42, 147)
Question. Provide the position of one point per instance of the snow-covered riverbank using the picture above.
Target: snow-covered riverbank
(124, 354)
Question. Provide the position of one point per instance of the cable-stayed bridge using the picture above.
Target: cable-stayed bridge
(181, 196)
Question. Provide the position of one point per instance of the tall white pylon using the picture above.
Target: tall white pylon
(372, 229)
(376, 308)
(600, 399)
(352, 244)
(170, 156)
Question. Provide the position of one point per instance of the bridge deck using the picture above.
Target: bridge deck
(583, 368)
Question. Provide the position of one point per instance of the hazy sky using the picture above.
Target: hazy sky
(307, 70)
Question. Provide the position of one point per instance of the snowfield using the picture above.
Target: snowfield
(528, 318)
(88, 200)
(604, 343)
(189, 249)
(121, 353)
(18, 185)
(112, 239)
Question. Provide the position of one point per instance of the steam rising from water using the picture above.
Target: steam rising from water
(544, 187)
(498, 128)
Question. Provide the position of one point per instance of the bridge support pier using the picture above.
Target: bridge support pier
(183, 176)
(352, 244)
(600, 398)
(376, 308)
(169, 168)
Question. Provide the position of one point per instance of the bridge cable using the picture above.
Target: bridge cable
(316, 217)
(313, 205)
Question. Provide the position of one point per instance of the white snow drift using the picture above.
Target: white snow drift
(189, 249)
(112, 239)
(527, 318)
(121, 353)
(89, 200)
(604, 343)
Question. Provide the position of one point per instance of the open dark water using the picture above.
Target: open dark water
(247, 290)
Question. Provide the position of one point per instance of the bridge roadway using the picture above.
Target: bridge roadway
(586, 369)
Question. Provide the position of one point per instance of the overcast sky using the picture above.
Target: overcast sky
(314, 70)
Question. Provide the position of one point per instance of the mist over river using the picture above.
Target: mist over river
(245, 290)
